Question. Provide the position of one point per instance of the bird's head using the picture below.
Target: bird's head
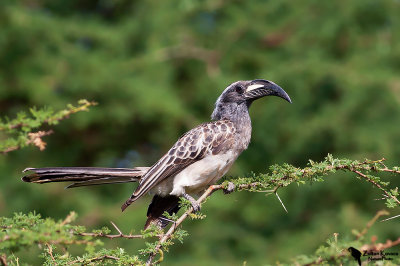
(250, 90)
(245, 92)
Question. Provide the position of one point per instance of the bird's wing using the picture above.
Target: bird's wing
(209, 138)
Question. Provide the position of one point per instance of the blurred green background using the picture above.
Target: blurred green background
(156, 69)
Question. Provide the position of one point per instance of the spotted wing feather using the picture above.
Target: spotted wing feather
(209, 138)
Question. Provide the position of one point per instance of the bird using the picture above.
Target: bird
(356, 254)
(199, 158)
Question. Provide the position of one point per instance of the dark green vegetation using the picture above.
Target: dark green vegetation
(23, 231)
(156, 69)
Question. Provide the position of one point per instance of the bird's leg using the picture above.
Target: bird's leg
(195, 204)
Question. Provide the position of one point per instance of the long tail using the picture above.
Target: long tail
(84, 176)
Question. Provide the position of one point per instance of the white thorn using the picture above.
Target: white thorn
(115, 226)
(283, 205)
(390, 218)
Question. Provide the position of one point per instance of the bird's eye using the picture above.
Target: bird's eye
(239, 89)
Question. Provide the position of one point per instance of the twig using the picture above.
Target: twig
(120, 235)
(50, 251)
(283, 205)
(384, 220)
(111, 236)
(3, 260)
(66, 113)
(71, 216)
(390, 170)
(354, 168)
(381, 246)
(365, 248)
(34, 138)
(375, 184)
(119, 231)
(371, 223)
(174, 226)
(94, 259)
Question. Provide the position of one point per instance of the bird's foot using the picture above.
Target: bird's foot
(230, 188)
(195, 204)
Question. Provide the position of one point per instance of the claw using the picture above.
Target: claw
(195, 205)
(230, 188)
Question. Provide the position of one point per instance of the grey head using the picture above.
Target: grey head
(235, 100)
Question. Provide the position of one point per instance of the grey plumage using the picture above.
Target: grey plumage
(84, 176)
(198, 159)
(207, 139)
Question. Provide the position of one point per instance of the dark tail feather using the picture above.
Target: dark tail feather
(84, 176)
(158, 206)
(129, 202)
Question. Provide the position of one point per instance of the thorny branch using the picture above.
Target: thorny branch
(120, 235)
(33, 138)
(270, 183)
(376, 184)
(254, 185)
(84, 104)
(371, 223)
(381, 246)
(22, 126)
(50, 251)
(3, 260)
(104, 257)
(173, 227)
(365, 248)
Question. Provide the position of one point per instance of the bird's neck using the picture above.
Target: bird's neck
(239, 115)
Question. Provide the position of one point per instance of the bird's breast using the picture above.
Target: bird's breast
(199, 175)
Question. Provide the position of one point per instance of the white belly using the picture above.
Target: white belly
(197, 176)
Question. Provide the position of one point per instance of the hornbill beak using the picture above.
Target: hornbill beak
(259, 88)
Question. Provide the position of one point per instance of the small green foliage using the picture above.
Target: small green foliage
(184, 204)
(172, 217)
(180, 234)
(286, 174)
(391, 203)
(20, 131)
(335, 252)
(26, 230)
(116, 256)
(103, 231)
(23, 231)
(151, 231)
(150, 248)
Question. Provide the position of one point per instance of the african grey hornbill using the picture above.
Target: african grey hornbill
(197, 160)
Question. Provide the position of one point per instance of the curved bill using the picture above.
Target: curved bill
(259, 88)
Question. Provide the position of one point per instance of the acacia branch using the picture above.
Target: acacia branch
(381, 246)
(376, 184)
(278, 183)
(371, 223)
(50, 251)
(175, 225)
(34, 138)
(3, 260)
(111, 236)
(120, 235)
(87, 261)
(280, 176)
(84, 104)
(364, 249)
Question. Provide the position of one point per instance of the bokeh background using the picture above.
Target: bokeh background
(156, 69)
